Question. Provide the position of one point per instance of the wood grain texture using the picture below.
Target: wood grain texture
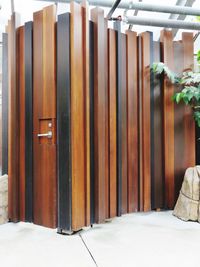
(106, 119)
(168, 119)
(112, 89)
(124, 207)
(77, 119)
(44, 112)
(157, 184)
(132, 121)
(86, 80)
(13, 128)
(145, 124)
(97, 16)
(21, 84)
(189, 125)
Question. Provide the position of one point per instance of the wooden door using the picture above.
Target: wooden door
(44, 118)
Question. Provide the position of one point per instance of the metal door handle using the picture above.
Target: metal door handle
(48, 135)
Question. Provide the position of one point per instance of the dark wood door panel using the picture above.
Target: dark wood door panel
(44, 115)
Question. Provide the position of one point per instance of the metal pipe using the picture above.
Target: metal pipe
(163, 23)
(112, 10)
(140, 6)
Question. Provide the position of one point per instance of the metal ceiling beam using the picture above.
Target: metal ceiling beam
(112, 10)
(135, 14)
(187, 3)
(163, 23)
(141, 6)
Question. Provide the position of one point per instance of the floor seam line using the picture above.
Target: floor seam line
(88, 250)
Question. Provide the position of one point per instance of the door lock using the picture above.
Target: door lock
(48, 135)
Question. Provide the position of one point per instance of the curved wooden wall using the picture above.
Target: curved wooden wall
(117, 137)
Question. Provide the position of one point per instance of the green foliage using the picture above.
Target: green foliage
(198, 57)
(189, 87)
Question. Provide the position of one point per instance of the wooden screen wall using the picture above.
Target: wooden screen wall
(118, 139)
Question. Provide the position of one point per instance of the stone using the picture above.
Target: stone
(3, 199)
(187, 206)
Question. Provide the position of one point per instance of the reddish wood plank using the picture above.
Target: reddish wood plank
(132, 120)
(21, 73)
(124, 204)
(112, 88)
(168, 119)
(44, 113)
(13, 126)
(97, 16)
(106, 120)
(145, 124)
(86, 72)
(189, 125)
(77, 119)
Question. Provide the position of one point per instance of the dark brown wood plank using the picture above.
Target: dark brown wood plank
(168, 119)
(179, 164)
(97, 15)
(77, 119)
(13, 142)
(158, 173)
(112, 88)
(132, 121)
(21, 73)
(124, 205)
(145, 124)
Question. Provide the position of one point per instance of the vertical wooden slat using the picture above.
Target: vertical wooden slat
(63, 124)
(179, 148)
(189, 125)
(97, 16)
(117, 27)
(112, 123)
(124, 206)
(92, 142)
(106, 119)
(168, 119)
(21, 84)
(77, 119)
(157, 185)
(13, 128)
(145, 129)
(5, 104)
(44, 110)
(132, 121)
(37, 103)
(141, 199)
(29, 121)
(86, 77)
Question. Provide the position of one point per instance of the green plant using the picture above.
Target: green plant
(189, 87)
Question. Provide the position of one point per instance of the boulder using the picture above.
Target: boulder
(3, 199)
(187, 206)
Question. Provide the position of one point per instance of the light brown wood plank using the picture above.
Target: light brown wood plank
(77, 119)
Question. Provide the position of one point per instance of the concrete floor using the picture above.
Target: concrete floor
(138, 240)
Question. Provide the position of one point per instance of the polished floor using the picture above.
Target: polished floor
(152, 239)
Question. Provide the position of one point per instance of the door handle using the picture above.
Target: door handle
(48, 135)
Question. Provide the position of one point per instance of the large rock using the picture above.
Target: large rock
(3, 199)
(187, 206)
